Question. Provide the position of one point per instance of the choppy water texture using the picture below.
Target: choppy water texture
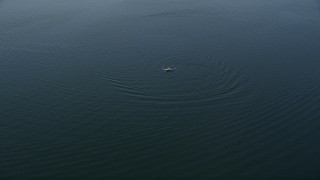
(84, 94)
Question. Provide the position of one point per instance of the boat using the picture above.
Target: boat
(168, 69)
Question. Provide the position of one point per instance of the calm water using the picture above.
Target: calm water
(83, 93)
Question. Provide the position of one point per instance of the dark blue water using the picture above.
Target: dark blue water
(83, 93)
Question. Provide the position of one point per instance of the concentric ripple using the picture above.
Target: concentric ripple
(195, 80)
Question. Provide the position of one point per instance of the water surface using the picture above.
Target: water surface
(83, 93)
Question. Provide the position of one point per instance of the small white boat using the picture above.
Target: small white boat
(169, 69)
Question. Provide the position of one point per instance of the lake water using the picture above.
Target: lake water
(83, 93)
